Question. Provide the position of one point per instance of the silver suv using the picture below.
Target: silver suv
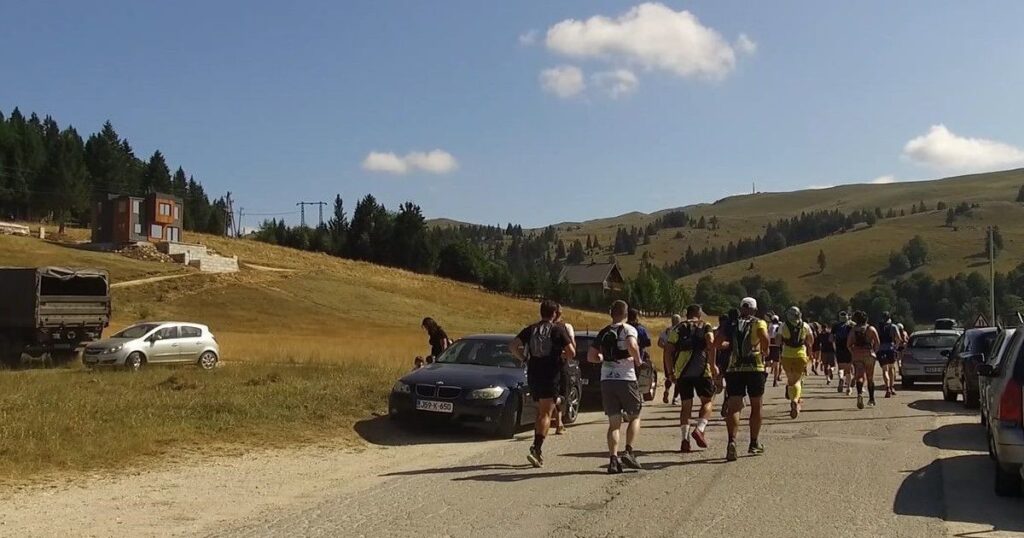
(161, 342)
(1004, 413)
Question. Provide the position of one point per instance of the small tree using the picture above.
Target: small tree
(916, 251)
(822, 262)
(898, 263)
(1020, 194)
(950, 217)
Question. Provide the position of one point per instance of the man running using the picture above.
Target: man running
(723, 345)
(563, 386)
(796, 339)
(691, 349)
(618, 352)
(543, 346)
(774, 350)
(840, 333)
(828, 352)
(667, 367)
(863, 343)
(890, 339)
(745, 375)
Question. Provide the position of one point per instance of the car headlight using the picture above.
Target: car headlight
(490, 393)
(402, 388)
(114, 349)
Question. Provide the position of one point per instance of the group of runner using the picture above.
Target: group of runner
(735, 358)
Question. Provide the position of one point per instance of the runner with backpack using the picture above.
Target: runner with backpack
(618, 352)
(745, 375)
(796, 339)
(691, 350)
(890, 340)
(863, 343)
(840, 335)
(774, 350)
(723, 344)
(666, 366)
(544, 346)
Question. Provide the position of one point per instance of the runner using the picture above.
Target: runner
(745, 375)
(904, 342)
(796, 338)
(863, 342)
(840, 333)
(774, 350)
(563, 386)
(618, 352)
(891, 339)
(544, 346)
(723, 344)
(828, 353)
(814, 350)
(691, 349)
(662, 342)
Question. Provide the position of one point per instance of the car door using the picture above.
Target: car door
(190, 343)
(163, 345)
(993, 360)
(952, 372)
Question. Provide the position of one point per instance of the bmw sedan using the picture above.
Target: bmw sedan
(161, 342)
(477, 381)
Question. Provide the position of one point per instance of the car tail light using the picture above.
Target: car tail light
(1011, 403)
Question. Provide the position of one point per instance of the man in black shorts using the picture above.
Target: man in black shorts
(745, 375)
(774, 350)
(844, 359)
(691, 349)
(544, 346)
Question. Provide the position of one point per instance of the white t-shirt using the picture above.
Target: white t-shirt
(621, 370)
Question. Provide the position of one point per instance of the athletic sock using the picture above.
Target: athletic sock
(629, 449)
(871, 392)
(701, 424)
(860, 388)
(538, 441)
(686, 430)
(732, 438)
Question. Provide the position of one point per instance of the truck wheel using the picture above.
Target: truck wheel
(134, 361)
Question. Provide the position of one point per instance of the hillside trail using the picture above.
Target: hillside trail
(149, 280)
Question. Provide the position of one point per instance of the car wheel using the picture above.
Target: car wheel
(134, 361)
(508, 422)
(971, 398)
(991, 445)
(947, 394)
(572, 404)
(1007, 482)
(907, 383)
(208, 360)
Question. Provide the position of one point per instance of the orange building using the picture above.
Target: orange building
(124, 219)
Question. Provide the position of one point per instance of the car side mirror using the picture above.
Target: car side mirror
(986, 370)
(944, 353)
(156, 338)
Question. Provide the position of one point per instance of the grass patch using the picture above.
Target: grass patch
(59, 421)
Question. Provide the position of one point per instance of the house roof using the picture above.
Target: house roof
(592, 273)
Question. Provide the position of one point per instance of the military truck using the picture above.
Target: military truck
(49, 312)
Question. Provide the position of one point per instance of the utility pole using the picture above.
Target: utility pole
(239, 226)
(302, 211)
(992, 275)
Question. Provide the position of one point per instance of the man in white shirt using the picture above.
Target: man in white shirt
(618, 352)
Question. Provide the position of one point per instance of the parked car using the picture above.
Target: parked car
(647, 376)
(161, 342)
(923, 360)
(946, 324)
(960, 375)
(477, 381)
(1005, 415)
(999, 351)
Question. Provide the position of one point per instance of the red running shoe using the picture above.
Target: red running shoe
(698, 436)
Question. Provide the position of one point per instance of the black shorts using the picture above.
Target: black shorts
(774, 354)
(740, 384)
(703, 387)
(887, 357)
(544, 384)
(843, 356)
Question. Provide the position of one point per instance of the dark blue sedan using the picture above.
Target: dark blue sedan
(477, 381)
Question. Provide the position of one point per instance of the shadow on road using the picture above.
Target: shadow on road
(971, 501)
(958, 437)
(462, 469)
(940, 406)
(386, 432)
(519, 477)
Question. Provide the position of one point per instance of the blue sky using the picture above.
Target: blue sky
(650, 106)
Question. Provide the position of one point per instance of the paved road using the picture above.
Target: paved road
(913, 466)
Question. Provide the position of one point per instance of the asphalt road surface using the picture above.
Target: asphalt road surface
(912, 466)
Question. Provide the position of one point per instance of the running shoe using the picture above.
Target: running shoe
(664, 397)
(560, 430)
(698, 436)
(614, 465)
(730, 452)
(685, 447)
(849, 391)
(755, 449)
(888, 394)
(871, 403)
(629, 459)
(893, 391)
(794, 409)
(860, 401)
(535, 458)
(828, 381)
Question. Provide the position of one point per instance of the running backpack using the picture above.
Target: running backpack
(540, 340)
(860, 337)
(608, 343)
(690, 336)
(885, 334)
(795, 335)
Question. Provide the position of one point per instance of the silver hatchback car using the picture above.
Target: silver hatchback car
(161, 342)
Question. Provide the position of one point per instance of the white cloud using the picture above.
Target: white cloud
(945, 150)
(883, 180)
(528, 38)
(745, 45)
(437, 161)
(564, 81)
(652, 36)
(616, 83)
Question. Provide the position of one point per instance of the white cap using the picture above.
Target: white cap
(749, 302)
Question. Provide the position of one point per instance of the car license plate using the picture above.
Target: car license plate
(585, 381)
(435, 407)
(933, 370)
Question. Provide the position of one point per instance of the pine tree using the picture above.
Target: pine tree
(179, 183)
(157, 176)
(821, 261)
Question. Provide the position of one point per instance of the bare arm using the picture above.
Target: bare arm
(634, 351)
(709, 338)
(762, 336)
(569, 351)
(809, 340)
(594, 355)
(667, 357)
(873, 339)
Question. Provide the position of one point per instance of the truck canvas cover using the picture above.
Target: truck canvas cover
(27, 293)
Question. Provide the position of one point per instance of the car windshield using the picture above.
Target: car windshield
(933, 341)
(136, 331)
(481, 353)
